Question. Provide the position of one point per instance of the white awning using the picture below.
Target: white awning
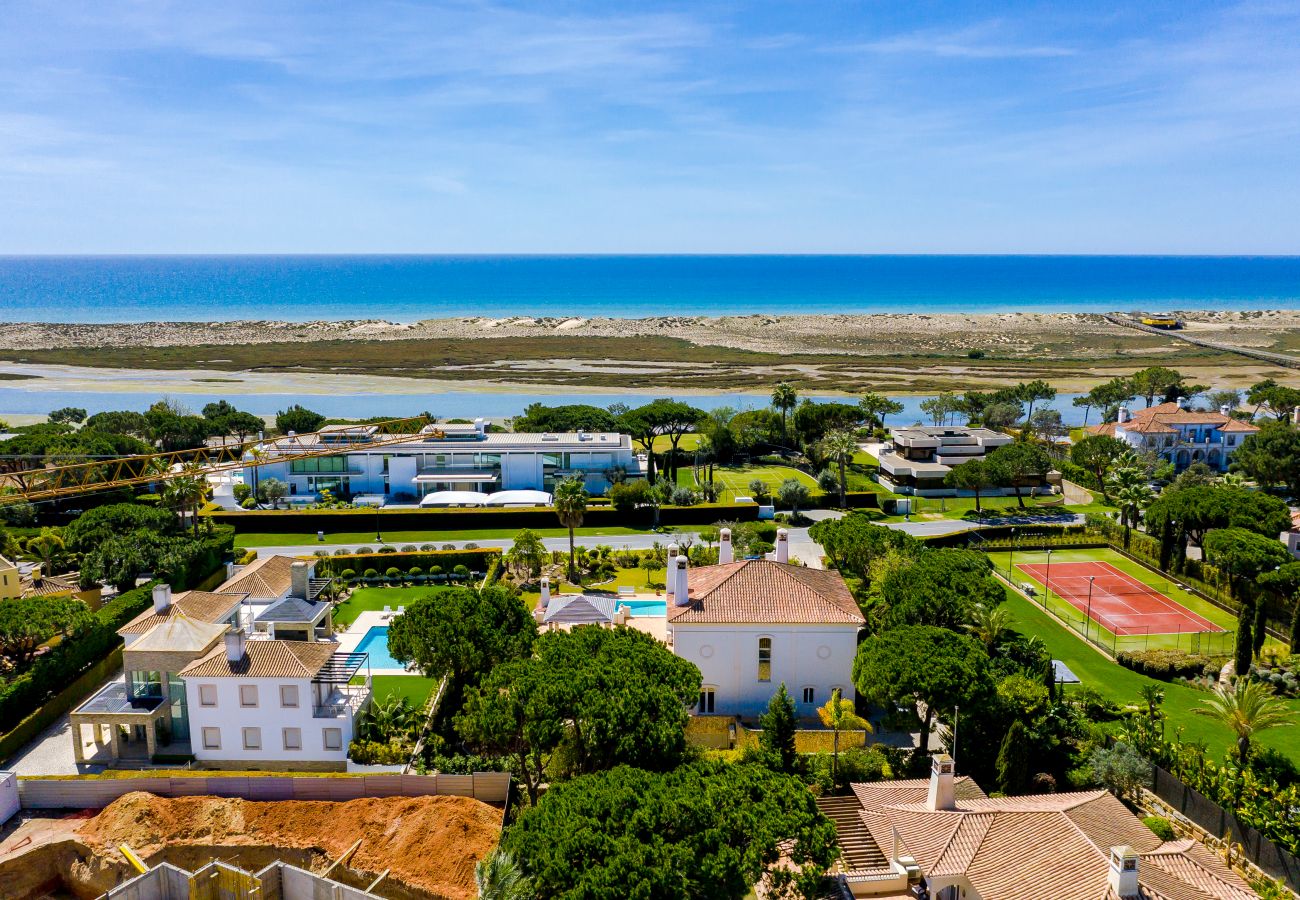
(452, 477)
(454, 498)
(519, 498)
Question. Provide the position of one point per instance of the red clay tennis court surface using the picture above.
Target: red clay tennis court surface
(1120, 603)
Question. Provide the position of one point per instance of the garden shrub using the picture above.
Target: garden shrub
(387, 549)
(410, 548)
(415, 572)
(375, 753)
(348, 574)
(1166, 665)
(370, 573)
(392, 573)
(1160, 827)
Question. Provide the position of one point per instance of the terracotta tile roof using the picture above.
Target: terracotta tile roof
(265, 659)
(1053, 846)
(203, 606)
(263, 578)
(759, 590)
(48, 586)
(1161, 418)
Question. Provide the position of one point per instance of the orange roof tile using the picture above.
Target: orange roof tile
(265, 577)
(265, 659)
(759, 590)
(204, 606)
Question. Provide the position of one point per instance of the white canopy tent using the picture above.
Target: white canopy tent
(519, 498)
(455, 498)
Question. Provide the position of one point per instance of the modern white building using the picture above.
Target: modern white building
(919, 457)
(1179, 435)
(449, 459)
(753, 624)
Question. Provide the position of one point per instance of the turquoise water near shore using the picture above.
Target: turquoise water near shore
(409, 288)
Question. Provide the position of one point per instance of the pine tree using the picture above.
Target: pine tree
(1295, 627)
(778, 725)
(1260, 626)
(1013, 761)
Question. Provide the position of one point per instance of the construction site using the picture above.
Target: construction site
(145, 847)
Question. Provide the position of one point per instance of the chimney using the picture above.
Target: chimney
(941, 795)
(1124, 872)
(1225, 410)
(1182, 402)
(162, 598)
(725, 553)
(682, 593)
(480, 425)
(1295, 416)
(298, 577)
(235, 649)
(546, 593)
(1123, 415)
(782, 545)
(670, 572)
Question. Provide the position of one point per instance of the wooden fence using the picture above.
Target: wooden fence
(93, 793)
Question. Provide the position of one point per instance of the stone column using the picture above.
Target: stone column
(78, 751)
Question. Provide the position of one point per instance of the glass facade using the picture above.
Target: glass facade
(318, 464)
(180, 713)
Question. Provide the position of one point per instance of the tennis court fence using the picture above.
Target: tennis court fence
(1103, 632)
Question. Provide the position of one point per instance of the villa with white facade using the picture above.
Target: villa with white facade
(245, 676)
(1179, 435)
(918, 458)
(448, 460)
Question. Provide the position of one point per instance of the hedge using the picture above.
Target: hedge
(334, 520)
(474, 560)
(1166, 665)
(65, 663)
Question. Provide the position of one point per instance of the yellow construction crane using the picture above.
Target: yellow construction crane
(54, 482)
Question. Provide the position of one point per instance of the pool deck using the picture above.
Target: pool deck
(348, 640)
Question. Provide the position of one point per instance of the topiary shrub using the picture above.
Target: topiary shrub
(392, 573)
(363, 551)
(387, 549)
(1169, 664)
(410, 548)
(342, 551)
(348, 574)
(1160, 827)
(371, 573)
(435, 572)
(461, 572)
(427, 548)
(415, 572)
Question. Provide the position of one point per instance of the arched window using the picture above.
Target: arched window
(765, 659)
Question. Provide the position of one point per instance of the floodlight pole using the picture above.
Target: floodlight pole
(1047, 588)
(1011, 563)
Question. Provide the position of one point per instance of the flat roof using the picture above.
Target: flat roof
(113, 699)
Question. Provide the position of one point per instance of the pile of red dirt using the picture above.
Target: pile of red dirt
(430, 843)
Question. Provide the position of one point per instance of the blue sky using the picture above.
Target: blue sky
(695, 127)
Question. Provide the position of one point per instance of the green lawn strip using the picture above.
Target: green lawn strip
(1226, 620)
(415, 688)
(374, 599)
(735, 479)
(633, 578)
(395, 538)
(1122, 685)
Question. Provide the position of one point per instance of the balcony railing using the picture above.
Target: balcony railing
(346, 701)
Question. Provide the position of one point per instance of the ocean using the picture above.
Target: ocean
(409, 288)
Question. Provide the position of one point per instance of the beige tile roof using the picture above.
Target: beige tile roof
(202, 606)
(264, 578)
(1042, 847)
(762, 591)
(265, 659)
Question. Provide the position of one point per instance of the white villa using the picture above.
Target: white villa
(918, 457)
(1175, 433)
(245, 676)
(449, 465)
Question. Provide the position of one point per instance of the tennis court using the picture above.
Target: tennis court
(735, 481)
(1118, 601)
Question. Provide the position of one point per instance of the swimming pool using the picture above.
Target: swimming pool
(644, 607)
(375, 642)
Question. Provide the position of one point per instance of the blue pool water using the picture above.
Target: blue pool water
(375, 642)
(644, 607)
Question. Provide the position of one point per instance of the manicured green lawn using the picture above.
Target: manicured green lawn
(1222, 645)
(492, 536)
(687, 443)
(375, 599)
(1122, 685)
(735, 479)
(415, 688)
(633, 578)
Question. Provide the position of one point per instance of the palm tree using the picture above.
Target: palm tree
(989, 624)
(840, 445)
(784, 397)
(570, 506)
(838, 715)
(187, 492)
(498, 877)
(1131, 493)
(1247, 708)
(48, 546)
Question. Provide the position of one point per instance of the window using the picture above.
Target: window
(809, 695)
(211, 738)
(706, 700)
(765, 659)
(207, 695)
(252, 739)
(333, 738)
(293, 738)
(289, 696)
(248, 695)
(146, 684)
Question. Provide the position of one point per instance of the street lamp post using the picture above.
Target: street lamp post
(1088, 619)
(1011, 561)
(378, 537)
(1047, 588)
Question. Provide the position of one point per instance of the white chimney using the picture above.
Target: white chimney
(235, 649)
(298, 579)
(1182, 402)
(546, 593)
(782, 545)
(162, 598)
(682, 593)
(670, 572)
(725, 553)
(1123, 415)
(1124, 872)
(941, 795)
(480, 425)
(1225, 410)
